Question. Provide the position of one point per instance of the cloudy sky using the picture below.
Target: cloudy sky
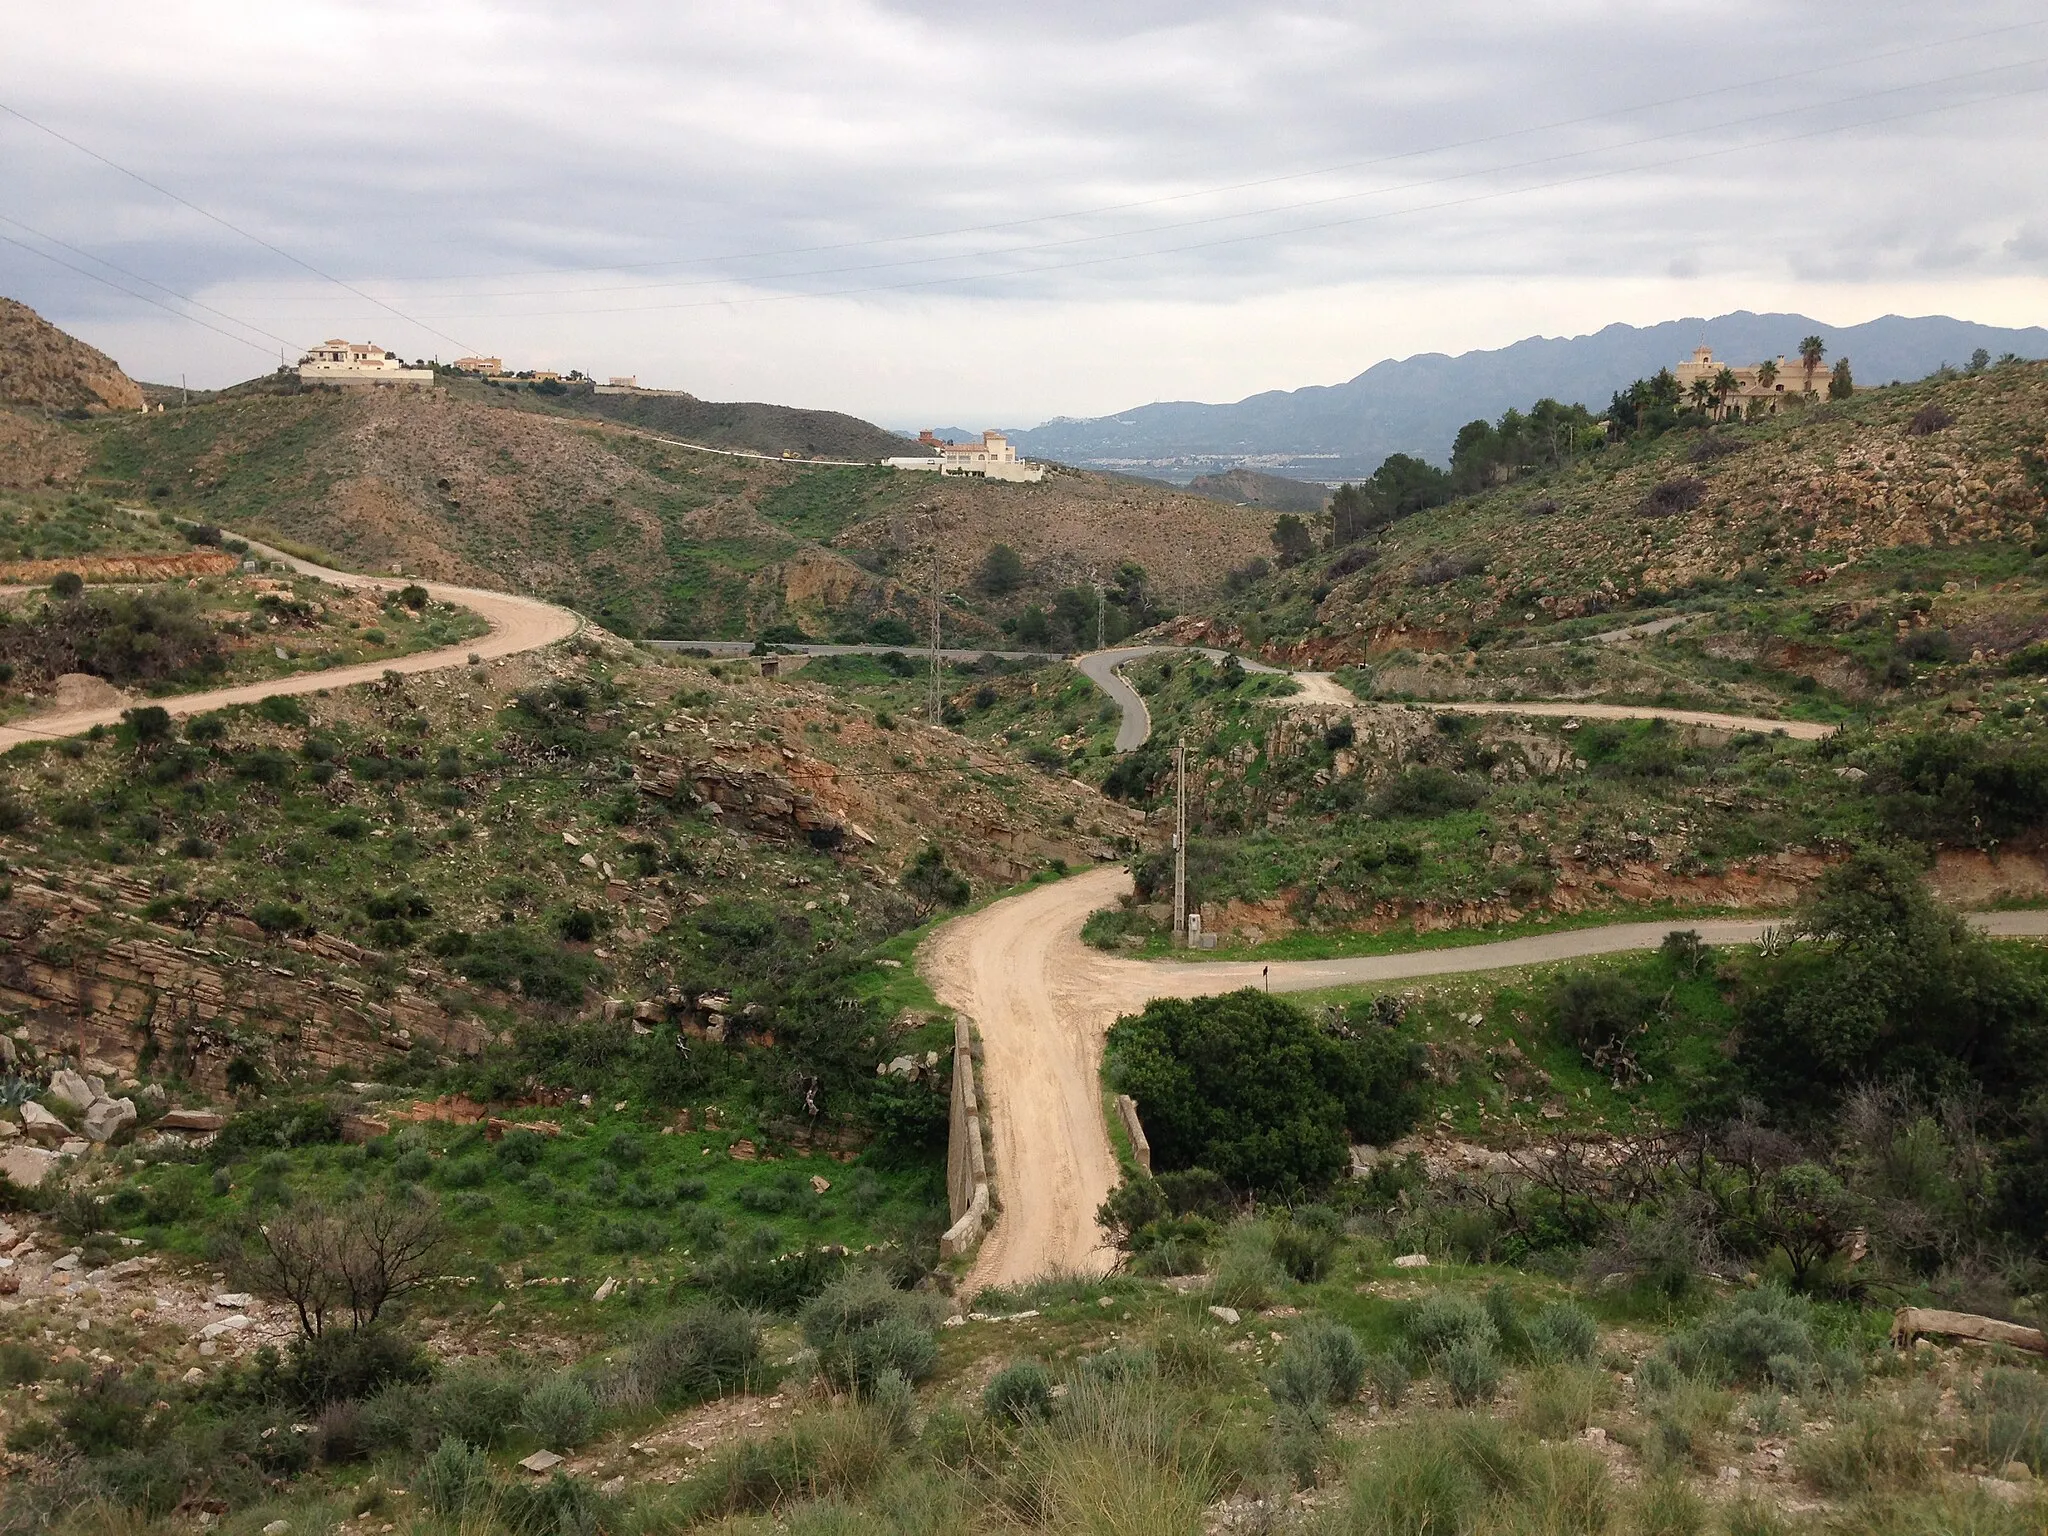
(973, 214)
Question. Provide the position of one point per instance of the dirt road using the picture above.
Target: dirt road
(1044, 1001)
(517, 624)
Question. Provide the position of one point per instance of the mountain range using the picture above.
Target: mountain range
(1416, 404)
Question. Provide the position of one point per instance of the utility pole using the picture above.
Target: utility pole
(935, 707)
(1180, 844)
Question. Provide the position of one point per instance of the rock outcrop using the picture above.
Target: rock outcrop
(43, 368)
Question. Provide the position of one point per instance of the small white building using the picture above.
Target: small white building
(358, 363)
(992, 458)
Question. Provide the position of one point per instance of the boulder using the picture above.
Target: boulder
(191, 1120)
(70, 1091)
(25, 1166)
(40, 1124)
(108, 1118)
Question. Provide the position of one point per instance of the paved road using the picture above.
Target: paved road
(1322, 689)
(1044, 1001)
(517, 624)
(808, 648)
(1102, 669)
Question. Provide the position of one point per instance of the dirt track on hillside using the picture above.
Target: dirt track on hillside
(517, 624)
(1043, 1002)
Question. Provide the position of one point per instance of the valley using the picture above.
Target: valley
(503, 1038)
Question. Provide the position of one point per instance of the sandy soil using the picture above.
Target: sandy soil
(517, 624)
(1043, 1002)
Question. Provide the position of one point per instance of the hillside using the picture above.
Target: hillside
(1415, 405)
(1802, 512)
(650, 538)
(745, 425)
(1249, 488)
(44, 369)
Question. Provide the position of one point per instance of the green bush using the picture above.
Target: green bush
(560, 1412)
(349, 1364)
(694, 1355)
(861, 1326)
(1391, 1370)
(477, 1404)
(1472, 1371)
(1019, 1392)
(1256, 1089)
(1304, 1251)
(1321, 1363)
(1761, 1334)
(1563, 1331)
(2009, 1418)
(1446, 1318)
(455, 1481)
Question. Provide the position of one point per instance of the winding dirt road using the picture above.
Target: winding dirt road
(1043, 1002)
(1321, 690)
(517, 624)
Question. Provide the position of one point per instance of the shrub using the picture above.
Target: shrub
(2009, 1418)
(1928, 420)
(66, 585)
(1507, 1323)
(1744, 1342)
(455, 1481)
(478, 1404)
(1471, 1370)
(1557, 1401)
(1304, 1252)
(1257, 1090)
(1671, 497)
(1563, 1331)
(932, 882)
(693, 1355)
(861, 1326)
(1247, 1276)
(1445, 1318)
(561, 1506)
(1019, 1392)
(1322, 1362)
(1873, 1445)
(1391, 1370)
(1447, 568)
(349, 1364)
(560, 1412)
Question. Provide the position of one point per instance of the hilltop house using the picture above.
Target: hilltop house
(359, 364)
(991, 459)
(1758, 391)
(487, 367)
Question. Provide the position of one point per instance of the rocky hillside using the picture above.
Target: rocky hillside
(43, 369)
(746, 424)
(651, 538)
(1786, 509)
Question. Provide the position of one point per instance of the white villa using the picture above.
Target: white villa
(357, 363)
(992, 458)
(1753, 391)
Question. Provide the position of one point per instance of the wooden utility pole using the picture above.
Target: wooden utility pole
(1180, 844)
(935, 707)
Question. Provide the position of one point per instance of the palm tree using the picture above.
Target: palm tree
(1811, 351)
(1725, 384)
(1767, 373)
(1702, 392)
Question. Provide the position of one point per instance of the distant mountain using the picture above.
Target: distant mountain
(45, 369)
(1416, 404)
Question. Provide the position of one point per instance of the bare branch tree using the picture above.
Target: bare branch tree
(361, 1255)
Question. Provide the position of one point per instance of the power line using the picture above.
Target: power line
(145, 298)
(1241, 186)
(150, 282)
(1303, 229)
(225, 224)
(1224, 218)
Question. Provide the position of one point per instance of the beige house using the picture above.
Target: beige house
(991, 459)
(361, 364)
(1759, 390)
(488, 367)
